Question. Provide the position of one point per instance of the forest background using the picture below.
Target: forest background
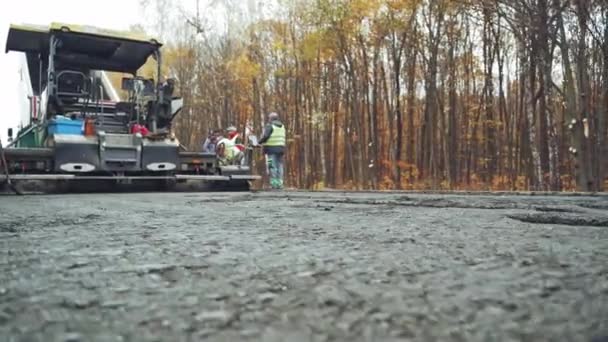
(400, 94)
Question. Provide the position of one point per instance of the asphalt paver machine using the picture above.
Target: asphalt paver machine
(81, 136)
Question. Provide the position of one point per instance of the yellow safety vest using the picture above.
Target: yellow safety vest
(277, 137)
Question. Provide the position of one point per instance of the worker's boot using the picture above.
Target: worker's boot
(271, 173)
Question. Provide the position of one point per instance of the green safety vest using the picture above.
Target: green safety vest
(277, 137)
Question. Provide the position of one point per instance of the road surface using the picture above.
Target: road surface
(281, 266)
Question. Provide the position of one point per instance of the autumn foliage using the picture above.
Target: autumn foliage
(410, 94)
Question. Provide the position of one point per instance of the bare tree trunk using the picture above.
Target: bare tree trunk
(452, 126)
(490, 123)
(429, 129)
(506, 146)
(373, 123)
(396, 54)
(548, 139)
(583, 163)
(569, 89)
(603, 112)
(411, 104)
(531, 115)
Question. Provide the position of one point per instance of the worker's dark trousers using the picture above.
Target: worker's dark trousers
(275, 169)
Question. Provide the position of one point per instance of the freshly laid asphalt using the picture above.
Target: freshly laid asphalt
(298, 266)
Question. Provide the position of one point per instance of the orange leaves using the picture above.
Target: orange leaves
(279, 46)
(386, 183)
(385, 163)
(364, 8)
(405, 165)
(336, 67)
(243, 68)
(317, 44)
(403, 5)
(501, 183)
(347, 16)
(179, 54)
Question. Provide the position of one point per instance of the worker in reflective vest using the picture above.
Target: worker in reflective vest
(228, 152)
(273, 140)
(235, 137)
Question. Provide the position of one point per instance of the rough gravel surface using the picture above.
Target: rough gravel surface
(287, 266)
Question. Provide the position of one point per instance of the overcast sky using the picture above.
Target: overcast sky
(117, 14)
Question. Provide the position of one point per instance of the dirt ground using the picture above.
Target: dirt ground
(296, 266)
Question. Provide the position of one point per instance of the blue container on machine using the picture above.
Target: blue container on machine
(65, 126)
